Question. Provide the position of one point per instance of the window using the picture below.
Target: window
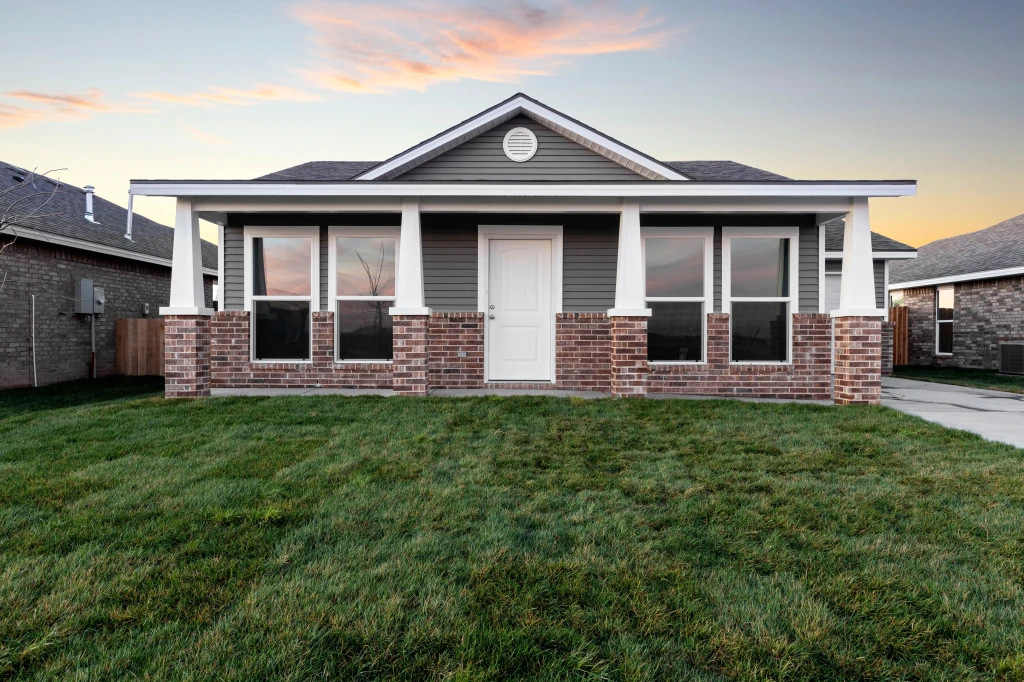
(944, 320)
(365, 269)
(281, 286)
(760, 296)
(676, 289)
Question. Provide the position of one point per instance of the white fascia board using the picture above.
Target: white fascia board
(877, 255)
(61, 240)
(519, 104)
(634, 190)
(967, 277)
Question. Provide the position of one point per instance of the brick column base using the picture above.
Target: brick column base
(629, 357)
(186, 356)
(858, 372)
(409, 369)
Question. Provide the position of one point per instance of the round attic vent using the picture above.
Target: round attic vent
(520, 144)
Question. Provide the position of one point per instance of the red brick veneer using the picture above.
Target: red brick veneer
(888, 330)
(448, 334)
(858, 361)
(409, 370)
(231, 368)
(629, 357)
(807, 378)
(583, 352)
(186, 356)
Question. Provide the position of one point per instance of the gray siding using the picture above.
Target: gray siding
(808, 272)
(879, 270)
(589, 255)
(234, 268)
(717, 269)
(450, 266)
(483, 159)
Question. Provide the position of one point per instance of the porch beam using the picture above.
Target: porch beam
(409, 298)
(187, 296)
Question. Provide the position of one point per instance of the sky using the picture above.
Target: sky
(895, 89)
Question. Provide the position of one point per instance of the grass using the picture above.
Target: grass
(500, 538)
(975, 378)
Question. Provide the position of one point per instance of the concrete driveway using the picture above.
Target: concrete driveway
(993, 415)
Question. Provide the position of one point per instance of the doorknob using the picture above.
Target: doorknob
(491, 316)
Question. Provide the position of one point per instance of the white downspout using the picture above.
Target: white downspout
(128, 233)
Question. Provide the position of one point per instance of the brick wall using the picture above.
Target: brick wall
(230, 366)
(187, 356)
(858, 373)
(887, 350)
(629, 364)
(448, 335)
(807, 378)
(409, 370)
(63, 344)
(984, 313)
(583, 349)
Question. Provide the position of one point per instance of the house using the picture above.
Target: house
(58, 235)
(965, 296)
(523, 248)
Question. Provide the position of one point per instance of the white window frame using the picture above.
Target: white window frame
(941, 322)
(313, 234)
(333, 232)
(708, 235)
(786, 232)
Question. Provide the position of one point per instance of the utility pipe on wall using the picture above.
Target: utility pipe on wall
(92, 325)
(35, 381)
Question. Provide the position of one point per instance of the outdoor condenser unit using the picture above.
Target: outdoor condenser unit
(1011, 357)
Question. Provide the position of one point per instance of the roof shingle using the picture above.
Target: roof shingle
(835, 228)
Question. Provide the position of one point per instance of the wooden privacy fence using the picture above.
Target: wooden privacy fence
(900, 318)
(140, 346)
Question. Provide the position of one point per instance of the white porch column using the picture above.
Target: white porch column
(857, 290)
(629, 272)
(187, 296)
(409, 290)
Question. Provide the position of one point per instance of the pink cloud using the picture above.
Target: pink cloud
(368, 47)
(35, 107)
(204, 137)
(217, 95)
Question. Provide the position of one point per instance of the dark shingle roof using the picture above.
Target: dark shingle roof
(879, 242)
(64, 215)
(995, 248)
(340, 171)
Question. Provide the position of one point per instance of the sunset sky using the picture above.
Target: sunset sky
(929, 90)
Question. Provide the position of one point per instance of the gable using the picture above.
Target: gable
(558, 158)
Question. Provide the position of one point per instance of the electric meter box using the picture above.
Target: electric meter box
(84, 297)
(99, 300)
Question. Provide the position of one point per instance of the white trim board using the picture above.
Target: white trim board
(877, 255)
(61, 240)
(967, 277)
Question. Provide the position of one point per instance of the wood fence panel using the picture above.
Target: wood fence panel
(140, 346)
(900, 318)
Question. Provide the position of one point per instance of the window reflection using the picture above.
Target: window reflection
(281, 266)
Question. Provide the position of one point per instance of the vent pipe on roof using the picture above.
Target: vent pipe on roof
(128, 229)
(89, 189)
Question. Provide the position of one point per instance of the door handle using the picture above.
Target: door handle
(491, 316)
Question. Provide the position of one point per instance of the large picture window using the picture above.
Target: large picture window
(366, 267)
(281, 297)
(944, 320)
(760, 298)
(675, 290)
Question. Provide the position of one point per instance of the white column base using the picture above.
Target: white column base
(176, 310)
(859, 312)
(629, 312)
(409, 311)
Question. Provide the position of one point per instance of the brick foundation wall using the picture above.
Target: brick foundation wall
(628, 357)
(63, 342)
(448, 335)
(583, 349)
(186, 356)
(409, 371)
(858, 373)
(230, 366)
(984, 313)
(807, 378)
(887, 350)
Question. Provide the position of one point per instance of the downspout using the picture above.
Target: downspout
(92, 325)
(128, 232)
(35, 380)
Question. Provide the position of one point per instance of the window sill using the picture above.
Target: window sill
(943, 355)
(280, 362)
(675, 363)
(363, 362)
(745, 363)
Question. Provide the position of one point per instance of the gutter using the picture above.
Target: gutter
(966, 277)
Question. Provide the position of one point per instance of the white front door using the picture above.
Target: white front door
(519, 316)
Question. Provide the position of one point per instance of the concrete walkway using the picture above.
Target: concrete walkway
(993, 415)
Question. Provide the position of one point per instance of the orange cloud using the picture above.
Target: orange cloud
(50, 107)
(204, 137)
(369, 47)
(218, 95)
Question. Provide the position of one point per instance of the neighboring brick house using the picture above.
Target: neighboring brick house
(523, 249)
(965, 295)
(51, 246)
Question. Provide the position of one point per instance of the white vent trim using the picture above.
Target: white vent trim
(520, 144)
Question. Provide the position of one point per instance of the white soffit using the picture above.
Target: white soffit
(580, 134)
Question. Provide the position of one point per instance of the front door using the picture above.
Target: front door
(519, 339)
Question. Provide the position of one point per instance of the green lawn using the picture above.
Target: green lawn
(496, 538)
(975, 378)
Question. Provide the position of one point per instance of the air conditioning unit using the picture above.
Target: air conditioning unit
(1011, 357)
